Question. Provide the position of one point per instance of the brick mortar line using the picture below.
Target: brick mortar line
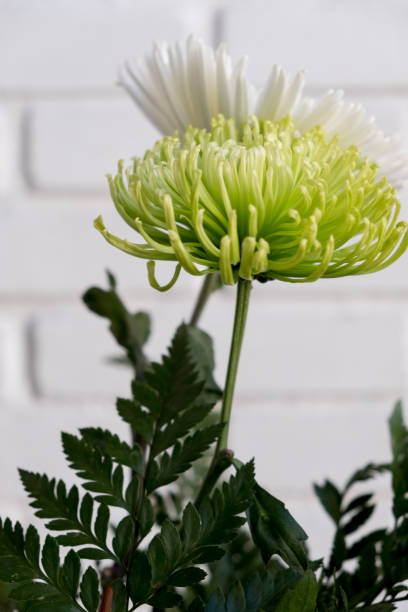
(45, 95)
(258, 400)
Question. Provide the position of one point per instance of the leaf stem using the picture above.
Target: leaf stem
(209, 285)
(241, 311)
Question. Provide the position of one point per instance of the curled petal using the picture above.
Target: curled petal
(259, 201)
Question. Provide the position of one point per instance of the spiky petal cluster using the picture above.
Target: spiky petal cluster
(259, 201)
(188, 84)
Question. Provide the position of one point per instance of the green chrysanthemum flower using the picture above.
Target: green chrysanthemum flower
(258, 201)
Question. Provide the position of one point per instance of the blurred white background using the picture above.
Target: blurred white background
(323, 364)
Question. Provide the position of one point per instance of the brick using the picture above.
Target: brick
(52, 249)
(289, 441)
(323, 350)
(298, 442)
(298, 347)
(4, 146)
(389, 111)
(72, 145)
(361, 44)
(13, 356)
(59, 253)
(320, 528)
(30, 438)
(12, 156)
(96, 133)
(73, 347)
(82, 48)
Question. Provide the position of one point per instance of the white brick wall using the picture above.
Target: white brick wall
(72, 145)
(358, 44)
(322, 364)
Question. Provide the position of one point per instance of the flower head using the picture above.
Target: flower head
(188, 84)
(259, 200)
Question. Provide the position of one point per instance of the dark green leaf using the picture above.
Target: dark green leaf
(367, 570)
(330, 499)
(122, 541)
(94, 554)
(264, 590)
(32, 546)
(146, 396)
(141, 422)
(302, 598)
(177, 379)
(90, 590)
(159, 561)
(366, 473)
(206, 554)
(358, 546)
(165, 599)
(86, 511)
(32, 590)
(236, 599)
(50, 558)
(190, 526)
(140, 577)
(397, 428)
(339, 551)
(93, 467)
(53, 606)
(110, 444)
(361, 500)
(71, 571)
(51, 500)
(399, 467)
(130, 330)
(275, 531)
(358, 519)
(219, 514)
(74, 538)
(201, 348)
(171, 541)
(145, 517)
(14, 570)
(196, 605)
(183, 455)
(180, 427)
(216, 603)
(14, 566)
(132, 492)
(102, 522)
(120, 599)
(187, 576)
(140, 323)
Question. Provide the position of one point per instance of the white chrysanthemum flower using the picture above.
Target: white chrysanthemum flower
(188, 83)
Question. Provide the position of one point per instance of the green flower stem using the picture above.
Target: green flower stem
(223, 457)
(209, 285)
(241, 311)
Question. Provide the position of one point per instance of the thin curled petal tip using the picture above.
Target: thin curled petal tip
(258, 200)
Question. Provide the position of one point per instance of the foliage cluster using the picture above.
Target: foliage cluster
(235, 548)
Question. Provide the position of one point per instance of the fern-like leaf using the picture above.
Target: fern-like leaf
(52, 501)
